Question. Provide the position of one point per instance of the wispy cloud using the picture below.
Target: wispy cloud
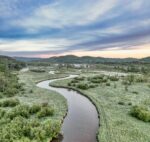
(61, 15)
(64, 26)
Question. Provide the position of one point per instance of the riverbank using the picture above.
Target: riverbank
(34, 95)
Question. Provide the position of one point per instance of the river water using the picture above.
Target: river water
(81, 122)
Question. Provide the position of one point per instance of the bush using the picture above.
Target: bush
(44, 104)
(129, 103)
(79, 78)
(82, 86)
(130, 78)
(74, 81)
(69, 84)
(97, 79)
(37, 70)
(92, 86)
(135, 92)
(25, 130)
(45, 111)
(9, 103)
(31, 91)
(107, 84)
(34, 109)
(121, 103)
(141, 113)
(113, 78)
(2, 113)
(141, 79)
(10, 92)
(20, 110)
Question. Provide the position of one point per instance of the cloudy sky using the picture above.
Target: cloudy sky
(44, 28)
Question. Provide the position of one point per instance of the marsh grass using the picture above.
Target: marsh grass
(114, 106)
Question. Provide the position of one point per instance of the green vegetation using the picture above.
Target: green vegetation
(27, 113)
(9, 103)
(141, 113)
(118, 99)
(37, 70)
(118, 88)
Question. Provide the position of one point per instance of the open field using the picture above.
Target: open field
(31, 113)
(114, 100)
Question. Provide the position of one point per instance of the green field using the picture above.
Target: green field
(114, 99)
(121, 94)
(29, 113)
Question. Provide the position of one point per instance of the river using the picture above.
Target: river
(81, 122)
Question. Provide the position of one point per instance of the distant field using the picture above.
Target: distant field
(114, 99)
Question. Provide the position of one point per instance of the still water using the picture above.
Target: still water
(81, 122)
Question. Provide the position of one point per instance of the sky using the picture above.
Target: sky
(45, 28)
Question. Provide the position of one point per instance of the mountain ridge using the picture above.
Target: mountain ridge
(83, 59)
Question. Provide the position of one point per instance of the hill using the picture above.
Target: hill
(84, 60)
(10, 63)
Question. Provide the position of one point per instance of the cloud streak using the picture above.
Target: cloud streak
(58, 27)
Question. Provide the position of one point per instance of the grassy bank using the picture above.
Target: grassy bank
(30, 114)
(115, 98)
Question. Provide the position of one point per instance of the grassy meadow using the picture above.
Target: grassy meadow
(122, 100)
(121, 94)
(29, 113)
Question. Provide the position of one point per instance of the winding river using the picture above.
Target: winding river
(81, 122)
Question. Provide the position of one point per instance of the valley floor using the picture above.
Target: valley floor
(114, 102)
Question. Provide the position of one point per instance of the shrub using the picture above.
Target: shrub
(82, 86)
(2, 113)
(44, 104)
(107, 84)
(31, 91)
(141, 79)
(10, 92)
(96, 80)
(34, 109)
(92, 86)
(141, 113)
(9, 103)
(69, 84)
(45, 111)
(37, 70)
(74, 81)
(129, 103)
(130, 78)
(25, 130)
(121, 103)
(20, 110)
(135, 92)
(113, 78)
(79, 78)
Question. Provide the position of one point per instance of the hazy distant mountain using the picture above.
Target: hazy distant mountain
(26, 59)
(84, 59)
(147, 59)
